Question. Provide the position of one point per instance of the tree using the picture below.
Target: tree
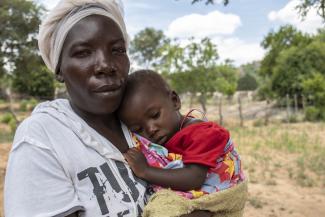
(247, 82)
(225, 2)
(194, 69)
(305, 6)
(146, 46)
(248, 76)
(276, 42)
(19, 24)
(296, 65)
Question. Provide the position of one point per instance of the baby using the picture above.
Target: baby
(195, 158)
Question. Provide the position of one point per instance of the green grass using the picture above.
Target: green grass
(6, 137)
(302, 144)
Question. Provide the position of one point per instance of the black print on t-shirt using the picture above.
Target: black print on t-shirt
(99, 187)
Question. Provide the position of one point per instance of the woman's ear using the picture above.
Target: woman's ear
(176, 100)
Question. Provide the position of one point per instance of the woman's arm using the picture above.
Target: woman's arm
(192, 176)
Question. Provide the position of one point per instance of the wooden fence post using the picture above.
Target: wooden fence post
(296, 103)
(288, 107)
(220, 111)
(240, 111)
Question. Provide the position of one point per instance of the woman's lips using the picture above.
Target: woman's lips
(107, 88)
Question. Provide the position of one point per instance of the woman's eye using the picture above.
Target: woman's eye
(119, 50)
(82, 53)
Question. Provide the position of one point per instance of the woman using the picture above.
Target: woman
(66, 158)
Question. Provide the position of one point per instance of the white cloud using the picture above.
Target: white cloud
(238, 50)
(211, 24)
(220, 28)
(289, 15)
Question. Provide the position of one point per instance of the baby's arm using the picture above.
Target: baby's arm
(192, 176)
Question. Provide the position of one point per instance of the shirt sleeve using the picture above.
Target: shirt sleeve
(201, 143)
(36, 184)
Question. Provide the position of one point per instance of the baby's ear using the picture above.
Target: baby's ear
(176, 100)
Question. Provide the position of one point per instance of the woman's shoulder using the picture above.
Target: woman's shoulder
(37, 129)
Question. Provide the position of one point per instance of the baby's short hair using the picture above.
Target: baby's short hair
(149, 78)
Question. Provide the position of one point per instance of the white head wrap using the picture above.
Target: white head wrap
(65, 15)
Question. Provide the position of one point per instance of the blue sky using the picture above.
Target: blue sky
(236, 29)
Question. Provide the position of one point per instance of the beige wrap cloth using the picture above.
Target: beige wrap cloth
(225, 203)
(64, 16)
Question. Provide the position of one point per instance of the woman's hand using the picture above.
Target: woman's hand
(199, 213)
(137, 162)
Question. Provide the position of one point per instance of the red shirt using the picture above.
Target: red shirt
(200, 143)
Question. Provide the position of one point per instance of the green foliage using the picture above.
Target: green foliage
(312, 114)
(10, 120)
(146, 46)
(6, 118)
(302, 9)
(295, 66)
(194, 69)
(28, 105)
(19, 24)
(247, 82)
(38, 83)
(305, 5)
(226, 77)
(314, 88)
(275, 42)
(225, 2)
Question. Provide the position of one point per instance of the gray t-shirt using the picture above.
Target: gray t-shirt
(58, 165)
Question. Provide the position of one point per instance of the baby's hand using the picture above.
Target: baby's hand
(136, 161)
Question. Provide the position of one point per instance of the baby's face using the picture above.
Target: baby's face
(151, 114)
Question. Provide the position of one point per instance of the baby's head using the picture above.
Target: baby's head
(149, 107)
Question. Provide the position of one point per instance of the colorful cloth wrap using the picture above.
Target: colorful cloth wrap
(224, 190)
(226, 173)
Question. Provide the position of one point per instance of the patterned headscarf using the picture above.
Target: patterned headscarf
(64, 16)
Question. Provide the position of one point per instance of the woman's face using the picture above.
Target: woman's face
(94, 65)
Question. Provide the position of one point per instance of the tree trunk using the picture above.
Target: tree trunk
(267, 113)
(11, 107)
(191, 100)
(296, 103)
(288, 108)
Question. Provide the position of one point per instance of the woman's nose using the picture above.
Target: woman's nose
(104, 64)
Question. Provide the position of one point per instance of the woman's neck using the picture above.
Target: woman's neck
(107, 125)
(96, 119)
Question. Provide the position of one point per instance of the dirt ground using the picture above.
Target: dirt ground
(4, 151)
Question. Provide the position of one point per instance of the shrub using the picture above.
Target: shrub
(23, 105)
(6, 118)
(247, 82)
(312, 114)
